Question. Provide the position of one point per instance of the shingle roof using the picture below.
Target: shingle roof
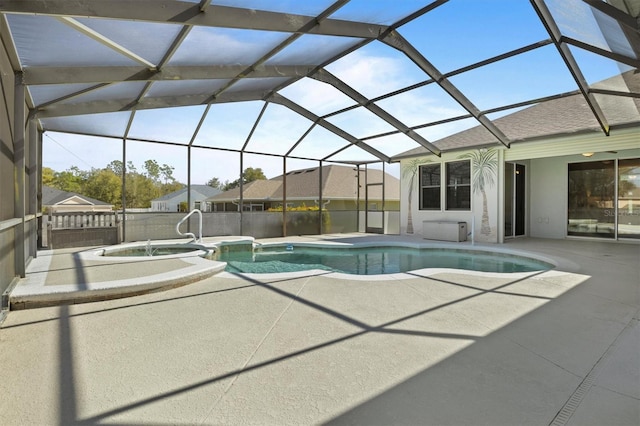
(52, 196)
(203, 190)
(558, 117)
(339, 182)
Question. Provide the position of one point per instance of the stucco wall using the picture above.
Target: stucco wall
(548, 197)
(473, 217)
(546, 165)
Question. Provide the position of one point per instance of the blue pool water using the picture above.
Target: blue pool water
(374, 260)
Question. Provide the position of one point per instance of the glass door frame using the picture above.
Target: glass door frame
(614, 211)
(518, 197)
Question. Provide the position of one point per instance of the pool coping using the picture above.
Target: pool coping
(31, 291)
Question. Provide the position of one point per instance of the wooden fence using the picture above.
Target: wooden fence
(65, 230)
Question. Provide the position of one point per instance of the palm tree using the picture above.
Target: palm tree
(484, 166)
(410, 171)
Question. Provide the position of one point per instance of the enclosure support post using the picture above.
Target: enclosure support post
(284, 196)
(18, 173)
(384, 186)
(358, 198)
(189, 185)
(123, 223)
(240, 206)
(32, 198)
(39, 188)
(320, 227)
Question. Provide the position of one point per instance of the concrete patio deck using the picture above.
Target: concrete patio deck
(557, 347)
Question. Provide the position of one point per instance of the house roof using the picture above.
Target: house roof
(558, 117)
(196, 190)
(339, 182)
(52, 196)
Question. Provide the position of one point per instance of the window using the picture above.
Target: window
(458, 185)
(429, 186)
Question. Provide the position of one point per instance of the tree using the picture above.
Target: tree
(116, 167)
(104, 185)
(484, 167)
(48, 176)
(167, 173)
(410, 172)
(71, 180)
(140, 190)
(153, 170)
(214, 182)
(249, 175)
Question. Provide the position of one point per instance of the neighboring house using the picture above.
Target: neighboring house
(561, 176)
(58, 201)
(339, 191)
(172, 202)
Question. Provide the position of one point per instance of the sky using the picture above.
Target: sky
(459, 33)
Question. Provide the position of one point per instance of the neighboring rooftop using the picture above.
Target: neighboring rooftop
(52, 196)
(202, 190)
(338, 182)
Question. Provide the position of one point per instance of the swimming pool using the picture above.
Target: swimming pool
(374, 260)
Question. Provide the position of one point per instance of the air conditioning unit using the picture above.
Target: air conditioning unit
(444, 230)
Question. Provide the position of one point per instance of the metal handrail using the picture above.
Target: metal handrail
(199, 240)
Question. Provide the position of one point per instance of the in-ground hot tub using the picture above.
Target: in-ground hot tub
(155, 250)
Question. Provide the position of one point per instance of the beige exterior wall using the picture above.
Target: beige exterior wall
(546, 164)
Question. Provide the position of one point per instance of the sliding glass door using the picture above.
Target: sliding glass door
(629, 198)
(604, 199)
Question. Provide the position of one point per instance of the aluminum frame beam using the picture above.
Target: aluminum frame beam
(563, 49)
(281, 100)
(98, 107)
(615, 13)
(183, 13)
(395, 40)
(261, 61)
(632, 62)
(326, 77)
(94, 35)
